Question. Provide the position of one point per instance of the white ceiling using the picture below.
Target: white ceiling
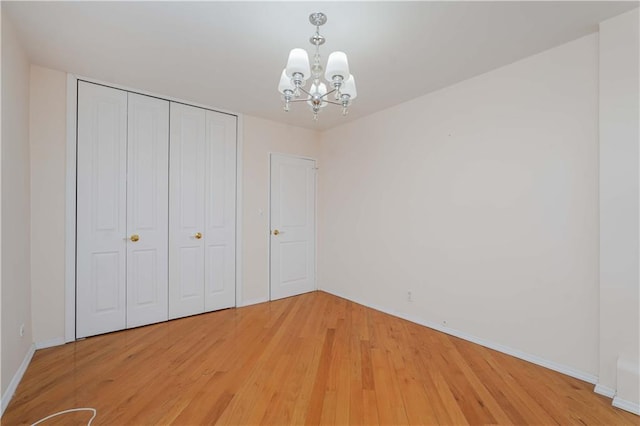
(230, 54)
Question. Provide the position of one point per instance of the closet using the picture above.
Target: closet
(155, 219)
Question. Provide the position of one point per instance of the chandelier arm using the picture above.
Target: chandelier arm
(328, 93)
(303, 89)
(331, 102)
(303, 100)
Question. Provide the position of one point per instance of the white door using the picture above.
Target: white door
(220, 212)
(101, 209)
(147, 210)
(292, 226)
(187, 153)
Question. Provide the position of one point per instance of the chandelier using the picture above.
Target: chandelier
(298, 71)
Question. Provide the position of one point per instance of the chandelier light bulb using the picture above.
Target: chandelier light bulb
(337, 67)
(298, 63)
(349, 88)
(322, 89)
(285, 83)
(287, 89)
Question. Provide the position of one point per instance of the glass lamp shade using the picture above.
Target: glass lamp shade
(298, 63)
(337, 65)
(349, 88)
(285, 83)
(320, 90)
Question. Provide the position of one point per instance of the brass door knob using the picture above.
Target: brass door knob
(198, 235)
(276, 232)
(135, 237)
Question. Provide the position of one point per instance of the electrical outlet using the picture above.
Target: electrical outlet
(22, 330)
(409, 297)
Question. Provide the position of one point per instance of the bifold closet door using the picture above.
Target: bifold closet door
(147, 210)
(101, 210)
(187, 156)
(220, 213)
(122, 202)
(202, 211)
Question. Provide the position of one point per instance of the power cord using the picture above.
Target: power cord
(95, 413)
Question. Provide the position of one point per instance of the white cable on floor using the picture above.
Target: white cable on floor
(95, 413)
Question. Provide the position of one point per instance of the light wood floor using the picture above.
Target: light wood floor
(310, 359)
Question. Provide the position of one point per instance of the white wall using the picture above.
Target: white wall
(262, 137)
(47, 124)
(16, 290)
(482, 200)
(619, 212)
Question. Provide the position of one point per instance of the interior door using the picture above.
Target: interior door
(292, 212)
(101, 209)
(220, 214)
(147, 214)
(187, 158)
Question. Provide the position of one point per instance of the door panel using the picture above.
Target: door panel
(187, 153)
(106, 274)
(293, 216)
(293, 261)
(191, 263)
(219, 238)
(101, 211)
(147, 214)
(142, 268)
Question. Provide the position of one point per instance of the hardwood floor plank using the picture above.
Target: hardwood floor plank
(310, 359)
(371, 416)
(366, 367)
(318, 394)
(391, 408)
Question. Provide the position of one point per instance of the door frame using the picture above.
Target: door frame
(315, 217)
(70, 193)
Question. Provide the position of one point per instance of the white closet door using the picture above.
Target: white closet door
(220, 213)
(187, 153)
(101, 210)
(147, 210)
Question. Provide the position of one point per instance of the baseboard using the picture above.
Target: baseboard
(50, 343)
(632, 407)
(252, 302)
(569, 371)
(13, 385)
(604, 391)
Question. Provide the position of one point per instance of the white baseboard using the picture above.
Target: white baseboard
(564, 369)
(13, 385)
(252, 302)
(632, 407)
(604, 391)
(50, 343)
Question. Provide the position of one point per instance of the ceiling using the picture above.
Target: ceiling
(230, 54)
